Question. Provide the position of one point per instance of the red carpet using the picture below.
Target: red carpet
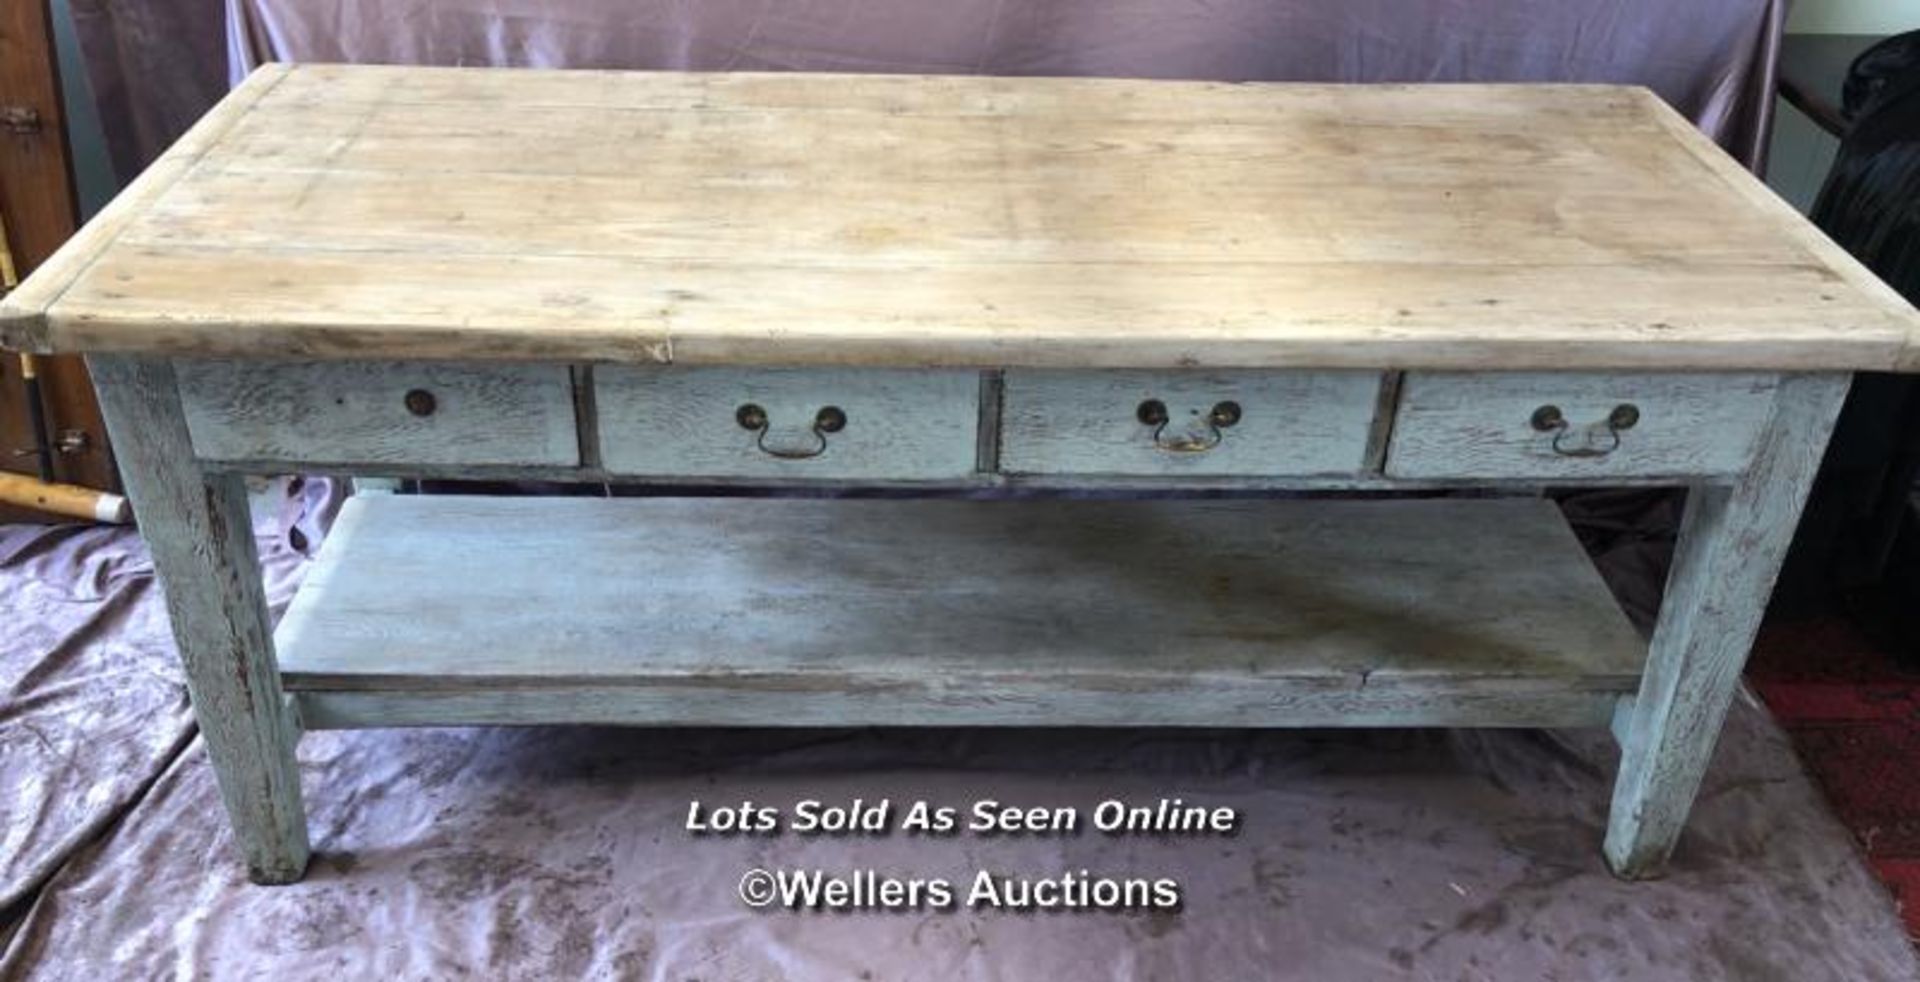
(1854, 714)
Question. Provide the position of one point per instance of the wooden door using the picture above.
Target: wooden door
(37, 208)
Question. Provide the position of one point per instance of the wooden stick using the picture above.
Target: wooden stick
(29, 369)
(69, 500)
(36, 416)
(9, 271)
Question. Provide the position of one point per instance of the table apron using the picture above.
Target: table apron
(1098, 430)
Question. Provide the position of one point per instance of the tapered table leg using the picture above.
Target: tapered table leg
(201, 536)
(1732, 542)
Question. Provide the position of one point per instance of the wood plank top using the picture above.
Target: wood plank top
(364, 211)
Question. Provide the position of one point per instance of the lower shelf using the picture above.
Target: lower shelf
(453, 610)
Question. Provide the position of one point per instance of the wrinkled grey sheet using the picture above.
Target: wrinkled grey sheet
(93, 707)
(156, 65)
(560, 852)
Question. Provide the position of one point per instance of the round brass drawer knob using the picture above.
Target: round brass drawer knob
(420, 402)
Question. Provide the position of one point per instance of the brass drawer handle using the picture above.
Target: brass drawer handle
(1549, 419)
(830, 419)
(420, 402)
(1222, 416)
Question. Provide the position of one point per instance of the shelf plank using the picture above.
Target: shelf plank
(426, 610)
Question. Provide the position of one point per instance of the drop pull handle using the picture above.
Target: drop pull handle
(1549, 419)
(830, 419)
(1220, 418)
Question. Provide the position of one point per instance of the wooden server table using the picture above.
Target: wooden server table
(1047, 285)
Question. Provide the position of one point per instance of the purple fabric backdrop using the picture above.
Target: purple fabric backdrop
(156, 65)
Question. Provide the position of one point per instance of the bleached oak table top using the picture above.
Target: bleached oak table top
(382, 212)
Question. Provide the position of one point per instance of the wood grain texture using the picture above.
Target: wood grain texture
(356, 412)
(201, 536)
(24, 323)
(36, 182)
(1087, 422)
(900, 425)
(974, 485)
(1732, 542)
(1188, 612)
(1035, 701)
(1479, 425)
(37, 214)
(1766, 203)
(919, 221)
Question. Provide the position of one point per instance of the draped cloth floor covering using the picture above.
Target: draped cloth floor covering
(561, 852)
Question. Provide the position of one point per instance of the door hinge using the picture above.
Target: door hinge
(20, 120)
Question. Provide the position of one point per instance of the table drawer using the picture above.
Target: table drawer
(1273, 423)
(428, 413)
(788, 422)
(1555, 425)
